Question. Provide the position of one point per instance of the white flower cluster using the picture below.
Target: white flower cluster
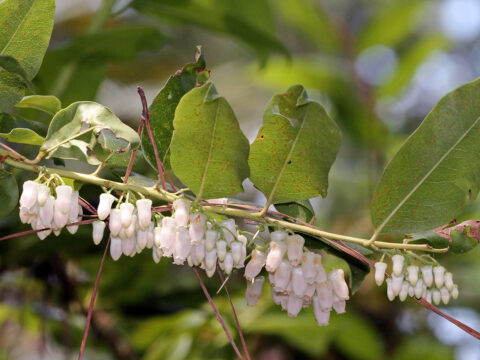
(40, 209)
(431, 283)
(297, 278)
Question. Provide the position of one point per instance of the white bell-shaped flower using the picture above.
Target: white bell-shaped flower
(236, 247)
(298, 281)
(182, 246)
(419, 288)
(228, 263)
(211, 260)
(254, 290)
(197, 227)
(221, 249)
(200, 252)
(397, 261)
(128, 246)
(168, 236)
(308, 293)
(105, 205)
(321, 315)
(445, 295)
(454, 292)
(142, 238)
(115, 248)
(283, 275)
(411, 290)
(308, 266)
(156, 255)
(29, 194)
(229, 230)
(98, 230)
(397, 282)
(115, 222)
(428, 296)
(439, 274)
(151, 237)
(339, 305)
(211, 237)
(337, 281)
(255, 264)
(126, 214)
(275, 255)
(321, 273)
(295, 249)
(132, 228)
(412, 274)
(324, 296)
(144, 213)
(243, 240)
(294, 305)
(436, 296)
(390, 294)
(210, 272)
(182, 211)
(427, 274)
(278, 235)
(380, 268)
(46, 211)
(43, 192)
(25, 216)
(448, 281)
(60, 218)
(402, 295)
(64, 199)
(73, 211)
(276, 296)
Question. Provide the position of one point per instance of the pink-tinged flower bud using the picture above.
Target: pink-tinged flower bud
(284, 302)
(151, 237)
(454, 292)
(142, 238)
(428, 296)
(298, 281)
(412, 272)
(308, 267)
(182, 246)
(182, 211)
(380, 268)
(445, 295)
(132, 228)
(448, 280)
(404, 291)
(229, 230)
(411, 290)
(254, 290)
(156, 254)
(46, 211)
(321, 315)
(283, 275)
(43, 193)
(397, 261)
(338, 284)
(275, 255)
(419, 288)
(295, 249)
(427, 274)
(221, 249)
(294, 305)
(197, 227)
(97, 233)
(144, 213)
(397, 282)
(200, 252)
(236, 247)
(390, 294)
(126, 213)
(308, 293)
(129, 246)
(211, 237)
(105, 205)
(64, 198)
(324, 296)
(115, 222)
(228, 263)
(115, 248)
(255, 264)
(276, 296)
(339, 305)
(211, 260)
(439, 273)
(436, 296)
(29, 194)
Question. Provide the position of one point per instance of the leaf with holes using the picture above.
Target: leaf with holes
(8, 192)
(295, 148)
(436, 171)
(209, 152)
(162, 110)
(90, 132)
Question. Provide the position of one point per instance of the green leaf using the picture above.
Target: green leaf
(88, 131)
(295, 148)
(431, 238)
(8, 192)
(46, 103)
(11, 65)
(461, 242)
(209, 151)
(11, 131)
(25, 36)
(162, 110)
(436, 171)
(301, 209)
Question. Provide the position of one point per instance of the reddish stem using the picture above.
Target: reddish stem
(5, 146)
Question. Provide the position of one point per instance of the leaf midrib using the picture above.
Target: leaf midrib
(420, 183)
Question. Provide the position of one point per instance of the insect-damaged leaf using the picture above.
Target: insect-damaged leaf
(88, 131)
(209, 152)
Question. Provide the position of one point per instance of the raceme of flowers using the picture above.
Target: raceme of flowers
(297, 278)
(429, 282)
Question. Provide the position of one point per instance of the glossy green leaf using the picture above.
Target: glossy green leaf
(294, 149)
(301, 209)
(436, 172)
(461, 242)
(209, 152)
(14, 130)
(88, 131)
(26, 29)
(8, 192)
(11, 65)
(162, 110)
(46, 103)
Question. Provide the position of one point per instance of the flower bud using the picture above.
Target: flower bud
(321, 315)
(221, 249)
(115, 248)
(229, 230)
(294, 305)
(404, 291)
(182, 211)
(132, 228)
(308, 293)
(182, 246)
(276, 296)
(211, 237)
(428, 296)
(390, 294)
(255, 264)
(283, 275)
(197, 227)
(427, 274)
(437, 297)
(324, 295)
(438, 272)
(115, 222)
(419, 288)
(142, 238)
(105, 205)
(308, 266)
(448, 280)
(298, 281)
(126, 213)
(64, 198)
(210, 272)
(412, 272)
(236, 247)
(339, 305)
(254, 290)
(380, 268)
(97, 233)
(60, 218)
(43, 193)
(29, 194)
(211, 260)
(275, 255)
(228, 263)
(295, 249)
(397, 282)
(144, 213)
(200, 252)
(411, 290)
(243, 251)
(150, 237)
(46, 211)
(445, 295)
(129, 246)
(397, 261)
(338, 284)
(454, 292)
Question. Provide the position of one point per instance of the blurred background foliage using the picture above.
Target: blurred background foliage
(378, 66)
